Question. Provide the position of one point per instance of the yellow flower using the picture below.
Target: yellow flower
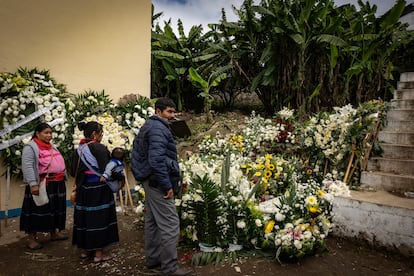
(268, 156)
(314, 210)
(277, 174)
(271, 167)
(260, 166)
(269, 226)
(267, 174)
(321, 193)
(311, 200)
(258, 174)
(309, 171)
(243, 166)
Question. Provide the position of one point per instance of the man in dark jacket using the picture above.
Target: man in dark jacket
(154, 163)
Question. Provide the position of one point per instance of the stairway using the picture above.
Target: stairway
(382, 211)
(394, 170)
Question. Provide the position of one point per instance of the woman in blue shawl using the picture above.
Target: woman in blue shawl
(95, 225)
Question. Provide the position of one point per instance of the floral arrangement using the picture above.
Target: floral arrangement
(28, 98)
(120, 121)
(270, 200)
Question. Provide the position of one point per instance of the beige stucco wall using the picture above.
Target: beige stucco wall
(85, 44)
(93, 44)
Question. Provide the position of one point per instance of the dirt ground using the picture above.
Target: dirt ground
(344, 257)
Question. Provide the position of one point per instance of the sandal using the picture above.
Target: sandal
(35, 247)
(86, 254)
(59, 237)
(103, 258)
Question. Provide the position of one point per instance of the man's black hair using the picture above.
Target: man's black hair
(163, 103)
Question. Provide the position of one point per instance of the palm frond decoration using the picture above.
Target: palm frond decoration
(207, 207)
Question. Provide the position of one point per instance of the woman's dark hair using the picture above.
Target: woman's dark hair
(40, 127)
(89, 127)
(163, 103)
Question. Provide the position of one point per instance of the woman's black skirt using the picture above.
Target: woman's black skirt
(95, 223)
(46, 218)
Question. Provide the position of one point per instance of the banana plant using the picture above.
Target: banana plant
(205, 86)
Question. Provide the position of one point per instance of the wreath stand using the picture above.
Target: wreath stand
(368, 143)
(128, 196)
(6, 203)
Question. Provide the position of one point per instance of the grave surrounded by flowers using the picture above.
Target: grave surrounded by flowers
(268, 186)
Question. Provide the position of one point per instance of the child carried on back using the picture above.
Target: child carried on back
(114, 174)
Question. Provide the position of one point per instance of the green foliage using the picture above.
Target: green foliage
(205, 258)
(205, 86)
(91, 103)
(206, 210)
(309, 55)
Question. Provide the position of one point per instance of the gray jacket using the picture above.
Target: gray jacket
(30, 163)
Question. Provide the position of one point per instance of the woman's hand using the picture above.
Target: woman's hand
(34, 189)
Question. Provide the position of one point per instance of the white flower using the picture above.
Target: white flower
(278, 242)
(258, 223)
(279, 217)
(298, 244)
(140, 209)
(241, 224)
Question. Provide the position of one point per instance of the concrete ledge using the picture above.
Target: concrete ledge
(379, 218)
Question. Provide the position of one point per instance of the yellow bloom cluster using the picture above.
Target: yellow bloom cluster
(236, 142)
(312, 204)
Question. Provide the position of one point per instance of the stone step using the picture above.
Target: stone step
(378, 217)
(404, 94)
(400, 115)
(405, 85)
(397, 151)
(393, 137)
(387, 181)
(407, 77)
(397, 166)
(402, 104)
(398, 126)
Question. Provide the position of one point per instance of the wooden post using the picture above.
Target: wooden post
(121, 201)
(6, 205)
(353, 168)
(326, 167)
(351, 160)
(371, 141)
(128, 191)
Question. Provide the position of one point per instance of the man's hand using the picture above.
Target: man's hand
(169, 194)
(34, 190)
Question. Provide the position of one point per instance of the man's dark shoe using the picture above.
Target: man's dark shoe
(154, 266)
(182, 271)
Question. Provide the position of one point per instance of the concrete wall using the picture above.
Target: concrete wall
(92, 44)
(380, 224)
